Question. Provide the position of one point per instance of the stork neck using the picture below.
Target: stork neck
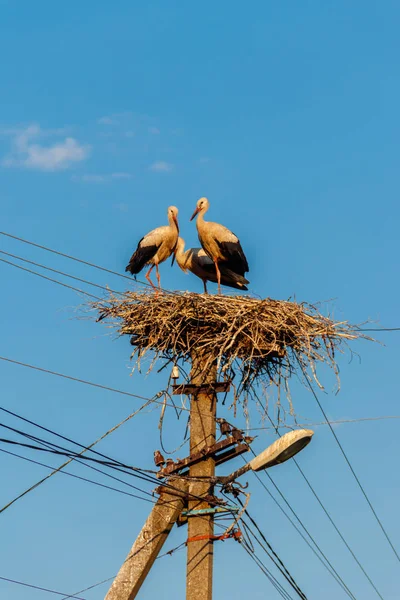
(200, 217)
(182, 255)
(172, 223)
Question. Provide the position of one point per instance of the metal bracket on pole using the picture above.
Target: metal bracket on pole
(208, 511)
(230, 447)
(190, 389)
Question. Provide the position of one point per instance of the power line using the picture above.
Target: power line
(80, 461)
(79, 260)
(155, 399)
(31, 488)
(49, 279)
(337, 529)
(36, 587)
(35, 462)
(111, 463)
(381, 329)
(327, 564)
(14, 414)
(91, 383)
(279, 588)
(352, 469)
(273, 555)
(91, 587)
(338, 422)
(160, 402)
(31, 262)
(331, 519)
(75, 595)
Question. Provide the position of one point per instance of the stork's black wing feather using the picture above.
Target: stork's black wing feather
(235, 259)
(141, 256)
(228, 277)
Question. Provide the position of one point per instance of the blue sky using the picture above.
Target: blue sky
(285, 115)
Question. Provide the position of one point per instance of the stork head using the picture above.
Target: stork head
(201, 206)
(173, 215)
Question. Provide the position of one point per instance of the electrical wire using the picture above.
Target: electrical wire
(338, 422)
(103, 387)
(330, 517)
(102, 287)
(50, 279)
(337, 529)
(117, 465)
(168, 553)
(91, 587)
(380, 329)
(41, 481)
(91, 383)
(104, 269)
(42, 589)
(272, 554)
(75, 595)
(35, 462)
(31, 262)
(351, 468)
(79, 260)
(264, 569)
(327, 564)
(154, 400)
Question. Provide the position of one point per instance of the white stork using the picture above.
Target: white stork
(155, 247)
(197, 261)
(219, 243)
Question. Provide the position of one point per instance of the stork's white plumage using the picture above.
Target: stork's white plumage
(155, 247)
(200, 264)
(219, 243)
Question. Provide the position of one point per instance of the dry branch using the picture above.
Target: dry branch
(256, 341)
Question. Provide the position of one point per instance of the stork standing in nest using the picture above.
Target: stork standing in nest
(219, 243)
(197, 262)
(155, 247)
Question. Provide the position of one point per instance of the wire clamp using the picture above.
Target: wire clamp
(237, 535)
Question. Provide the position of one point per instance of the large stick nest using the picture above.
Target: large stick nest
(258, 341)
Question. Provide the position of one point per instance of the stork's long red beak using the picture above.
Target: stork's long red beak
(194, 214)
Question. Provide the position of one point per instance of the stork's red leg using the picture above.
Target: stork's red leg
(158, 276)
(148, 277)
(218, 276)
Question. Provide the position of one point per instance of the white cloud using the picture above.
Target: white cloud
(89, 178)
(115, 118)
(161, 167)
(97, 178)
(107, 121)
(121, 175)
(29, 154)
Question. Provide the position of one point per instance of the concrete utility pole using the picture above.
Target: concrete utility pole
(148, 543)
(202, 435)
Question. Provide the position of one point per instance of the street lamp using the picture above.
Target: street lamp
(281, 450)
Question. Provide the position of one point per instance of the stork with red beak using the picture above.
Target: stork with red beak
(219, 243)
(197, 262)
(155, 247)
